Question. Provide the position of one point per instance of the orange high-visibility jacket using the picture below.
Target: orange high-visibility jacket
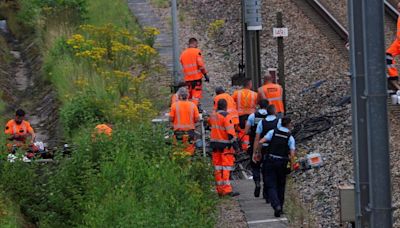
(231, 109)
(184, 115)
(103, 129)
(246, 101)
(193, 66)
(222, 126)
(391, 52)
(22, 129)
(273, 93)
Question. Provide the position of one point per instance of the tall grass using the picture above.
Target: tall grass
(9, 214)
(131, 179)
(116, 12)
(128, 181)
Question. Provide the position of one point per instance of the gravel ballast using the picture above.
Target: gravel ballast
(309, 57)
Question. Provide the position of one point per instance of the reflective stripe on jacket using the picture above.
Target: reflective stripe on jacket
(246, 101)
(184, 115)
(193, 66)
(20, 129)
(221, 127)
(273, 93)
(231, 108)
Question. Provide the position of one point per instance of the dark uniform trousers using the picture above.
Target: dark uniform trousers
(255, 167)
(274, 173)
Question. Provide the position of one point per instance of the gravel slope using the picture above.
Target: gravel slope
(309, 57)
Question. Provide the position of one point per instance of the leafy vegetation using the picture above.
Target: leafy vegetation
(101, 62)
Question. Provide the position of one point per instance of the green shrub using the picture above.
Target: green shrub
(141, 186)
(32, 11)
(83, 110)
(127, 181)
(9, 214)
(130, 180)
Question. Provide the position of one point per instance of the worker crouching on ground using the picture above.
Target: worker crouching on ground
(391, 52)
(223, 143)
(184, 114)
(193, 70)
(103, 129)
(231, 104)
(273, 93)
(270, 122)
(18, 131)
(251, 126)
(246, 101)
(281, 150)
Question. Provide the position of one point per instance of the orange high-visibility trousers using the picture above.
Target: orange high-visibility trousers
(244, 139)
(223, 162)
(187, 140)
(195, 91)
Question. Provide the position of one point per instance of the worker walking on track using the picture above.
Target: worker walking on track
(273, 93)
(223, 143)
(246, 103)
(184, 115)
(251, 126)
(193, 70)
(221, 94)
(281, 150)
(263, 127)
(391, 52)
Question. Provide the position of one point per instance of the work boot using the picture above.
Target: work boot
(233, 194)
(278, 211)
(257, 189)
(265, 195)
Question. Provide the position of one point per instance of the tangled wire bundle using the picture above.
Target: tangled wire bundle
(311, 127)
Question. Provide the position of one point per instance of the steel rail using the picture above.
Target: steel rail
(391, 10)
(329, 18)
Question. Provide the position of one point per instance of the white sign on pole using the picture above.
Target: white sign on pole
(280, 32)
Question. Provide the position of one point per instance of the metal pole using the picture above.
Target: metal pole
(203, 138)
(251, 10)
(281, 58)
(257, 59)
(176, 74)
(359, 131)
(253, 68)
(377, 121)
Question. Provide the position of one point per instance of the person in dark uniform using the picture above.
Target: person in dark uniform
(269, 123)
(281, 150)
(251, 126)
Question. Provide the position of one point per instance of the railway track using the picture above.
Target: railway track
(325, 22)
(335, 31)
(330, 25)
(391, 11)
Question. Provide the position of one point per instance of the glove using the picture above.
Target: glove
(256, 157)
(236, 146)
(207, 78)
